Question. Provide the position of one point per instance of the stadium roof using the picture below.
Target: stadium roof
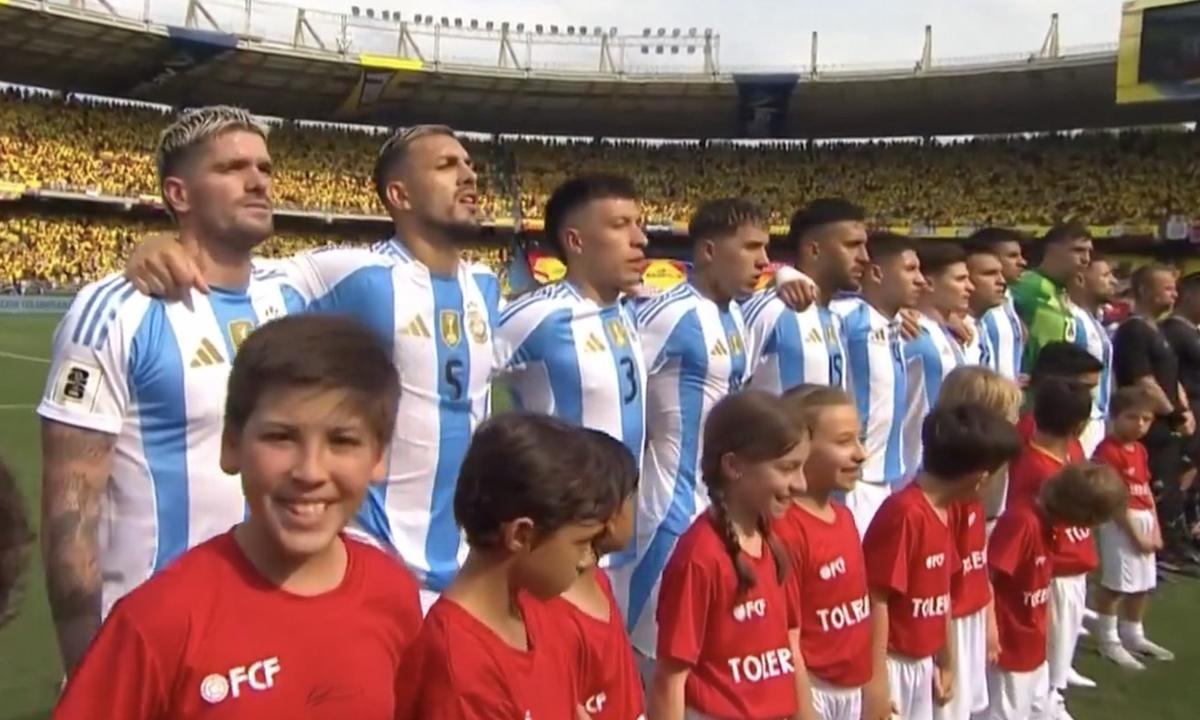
(290, 72)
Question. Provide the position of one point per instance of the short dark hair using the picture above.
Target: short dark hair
(1061, 407)
(723, 217)
(1083, 493)
(15, 539)
(885, 245)
(536, 466)
(578, 192)
(1140, 281)
(624, 472)
(395, 149)
(1132, 397)
(327, 352)
(1063, 360)
(1065, 232)
(937, 255)
(966, 438)
(989, 238)
(821, 212)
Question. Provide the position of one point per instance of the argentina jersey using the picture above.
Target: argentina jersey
(153, 374)
(793, 348)
(979, 350)
(875, 376)
(929, 358)
(1091, 335)
(439, 330)
(567, 356)
(695, 355)
(1005, 337)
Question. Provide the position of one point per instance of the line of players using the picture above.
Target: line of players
(133, 421)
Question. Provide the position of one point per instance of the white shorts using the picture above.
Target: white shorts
(831, 702)
(864, 501)
(1068, 598)
(1124, 568)
(969, 635)
(911, 684)
(1092, 435)
(1015, 696)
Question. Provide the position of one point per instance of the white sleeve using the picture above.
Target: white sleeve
(761, 314)
(87, 385)
(518, 334)
(316, 272)
(655, 329)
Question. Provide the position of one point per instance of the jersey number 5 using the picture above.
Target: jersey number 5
(452, 374)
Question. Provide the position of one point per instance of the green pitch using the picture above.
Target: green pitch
(29, 668)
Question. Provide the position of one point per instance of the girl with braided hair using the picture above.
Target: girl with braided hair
(724, 616)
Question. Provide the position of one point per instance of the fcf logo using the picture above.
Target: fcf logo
(258, 676)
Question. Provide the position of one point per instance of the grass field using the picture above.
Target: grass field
(29, 668)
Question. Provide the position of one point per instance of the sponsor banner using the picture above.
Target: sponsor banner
(30, 304)
(660, 274)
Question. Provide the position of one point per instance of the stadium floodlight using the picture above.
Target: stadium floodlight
(457, 22)
(691, 32)
(355, 10)
(417, 18)
(474, 24)
(708, 32)
(658, 50)
(645, 50)
(539, 29)
(445, 21)
(674, 49)
(386, 15)
(645, 32)
(570, 29)
(597, 31)
(553, 29)
(371, 13)
(612, 32)
(675, 32)
(691, 49)
(662, 32)
(521, 28)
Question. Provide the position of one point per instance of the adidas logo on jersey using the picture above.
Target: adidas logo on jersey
(415, 328)
(719, 349)
(206, 355)
(593, 343)
(813, 336)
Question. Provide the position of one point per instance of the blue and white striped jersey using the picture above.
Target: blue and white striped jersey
(695, 354)
(979, 350)
(567, 356)
(439, 329)
(1005, 338)
(877, 380)
(154, 374)
(929, 358)
(1091, 335)
(793, 348)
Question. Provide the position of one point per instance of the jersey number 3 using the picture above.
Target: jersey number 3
(630, 390)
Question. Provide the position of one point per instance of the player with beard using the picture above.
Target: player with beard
(876, 368)
(935, 352)
(132, 410)
(986, 270)
(1003, 327)
(434, 311)
(1089, 292)
(797, 347)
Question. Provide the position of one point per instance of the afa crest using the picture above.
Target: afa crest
(477, 327)
(617, 333)
(239, 330)
(450, 327)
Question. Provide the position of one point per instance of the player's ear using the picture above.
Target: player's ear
(731, 466)
(175, 194)
(231, 455)
(397, 195)
(519, 535)
(876, 273)
(572, 242)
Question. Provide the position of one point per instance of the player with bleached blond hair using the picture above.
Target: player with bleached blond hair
(131, 415)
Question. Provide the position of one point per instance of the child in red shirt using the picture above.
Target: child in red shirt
(282, 616)
(611, 688)
(828, 575)
(724, 618)
(973, 619)
(1128, 543)
(533, 496)
(911, 558)
(1081, 495)
(1061, 410)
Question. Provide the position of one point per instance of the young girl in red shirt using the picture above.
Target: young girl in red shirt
(724, 647)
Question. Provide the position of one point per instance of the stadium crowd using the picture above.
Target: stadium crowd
(1100, 178)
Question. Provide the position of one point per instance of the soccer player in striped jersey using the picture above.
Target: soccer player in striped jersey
(986, 271)
(133, 405)
(876, 369)
(571, 348)
(934, 352)
(796, 347)
(436, 313)
(696, 353)
(1089, 292)
(1004, 330)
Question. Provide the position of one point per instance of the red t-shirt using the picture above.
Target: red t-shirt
(460, 669)
(829, 578)
(736, 642)
(609, 682)
(1074, 551)
(1133, 465)
(209, 637)
(910, 554)
(969, 590)
(1018, 555)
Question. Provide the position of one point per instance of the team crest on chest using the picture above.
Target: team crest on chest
(477, 327)
(239, 330)
(450, 327)
(617, 334)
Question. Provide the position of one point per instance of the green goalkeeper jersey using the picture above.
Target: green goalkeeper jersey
(1043, 306)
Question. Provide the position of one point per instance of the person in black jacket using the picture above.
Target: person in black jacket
(1182, 329)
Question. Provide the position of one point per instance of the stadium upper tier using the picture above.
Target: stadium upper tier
(1106, 179)
(282, 60)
